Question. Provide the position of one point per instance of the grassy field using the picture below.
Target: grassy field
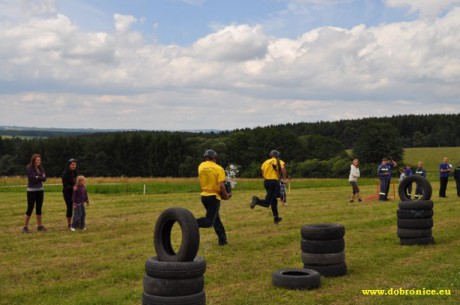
(105, 264)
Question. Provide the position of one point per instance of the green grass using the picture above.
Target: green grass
(105, 264)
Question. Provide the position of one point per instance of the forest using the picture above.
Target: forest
(319, 149)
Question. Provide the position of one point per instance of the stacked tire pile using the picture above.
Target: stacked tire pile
(323, 248)
(415, 217)
(175, 278)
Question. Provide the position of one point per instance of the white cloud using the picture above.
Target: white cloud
(238, 76)
(426, 8)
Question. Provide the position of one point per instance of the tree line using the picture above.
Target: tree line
(310, 149)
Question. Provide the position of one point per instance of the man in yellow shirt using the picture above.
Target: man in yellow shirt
(212, 178)
(273, 171)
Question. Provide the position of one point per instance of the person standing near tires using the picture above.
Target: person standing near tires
(457, 178)
(212, 182)
(390, 164)
(353, 179)
(421, 172)
(273, 170)
(69, 179)
(35, 195)
(444, 170)
(384, 172)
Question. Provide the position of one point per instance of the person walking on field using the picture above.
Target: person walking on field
(35, 195)
(273, 170)
(79, 198)
(444, 170)
(457, 178)
(421, 172)
(353, 179)
(69, 179)
(212, 182)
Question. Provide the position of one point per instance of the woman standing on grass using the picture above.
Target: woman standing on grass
(36, 176)
(69, 179)
(353, 179)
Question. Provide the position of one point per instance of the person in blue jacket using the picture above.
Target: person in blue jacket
(457, 178)
(421, 172)
(408, 172)
(390, 164)
(384, 176)
(444, 170)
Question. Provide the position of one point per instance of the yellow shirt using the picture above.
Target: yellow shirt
(210, 174)
(270, 169)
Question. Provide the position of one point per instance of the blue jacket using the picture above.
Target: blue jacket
(420, 171)
(384, 172)
(443, 174)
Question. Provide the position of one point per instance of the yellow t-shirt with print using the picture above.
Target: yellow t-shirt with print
(270, 169)
(210, 174)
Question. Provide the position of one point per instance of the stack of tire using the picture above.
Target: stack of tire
(175, 278)
(415, 217)
(323, 248)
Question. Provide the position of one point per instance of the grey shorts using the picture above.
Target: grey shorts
(355, 187)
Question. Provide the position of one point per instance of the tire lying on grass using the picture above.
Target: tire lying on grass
(173, 287)
(194, 299)
(414, 233)
(416, 241)
(419, 180)
(416, 205)
(190, 235)
(299, 279)
(322, 231)
(414, 214)
(175, 270)
(330, 270)
(424, 223)
(322, 246)
(323, 259)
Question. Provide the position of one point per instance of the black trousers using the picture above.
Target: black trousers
(68, 203)
(34, 198)
(458, 187)
(212, 218)
(384, 187)
(443, 187)
(273, 188)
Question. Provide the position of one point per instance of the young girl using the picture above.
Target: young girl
(79, 197)
(353, 179)
(36, 176)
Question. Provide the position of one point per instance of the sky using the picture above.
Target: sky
(219, 64)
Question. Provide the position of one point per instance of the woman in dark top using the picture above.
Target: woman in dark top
(69, 179)
(36, 176)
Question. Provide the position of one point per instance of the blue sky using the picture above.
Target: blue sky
(215, 64)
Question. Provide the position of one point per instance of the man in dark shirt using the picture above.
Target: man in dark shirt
(444, 170)
(457, 178)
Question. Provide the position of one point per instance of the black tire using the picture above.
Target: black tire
(414, 214)
(175, 270)
(194, 299)
(322, 231)
(299, 279)
(173, 288)
(329, 271)
(322, 246)
(416, 205)
(323, 259)
(424, 223)
(190, 235)
(414, 233)
(419, 180)
(416, 241)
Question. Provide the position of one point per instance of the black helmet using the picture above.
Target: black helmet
(274, 153)
(210, 154)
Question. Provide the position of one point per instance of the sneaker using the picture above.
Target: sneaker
(84, 229)
(278, 220)
(223, 243)
(72, 229)
(25, 230)
(360, 200)
(351, 201)
(253, 202)
(285, 204)
(41, 229)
